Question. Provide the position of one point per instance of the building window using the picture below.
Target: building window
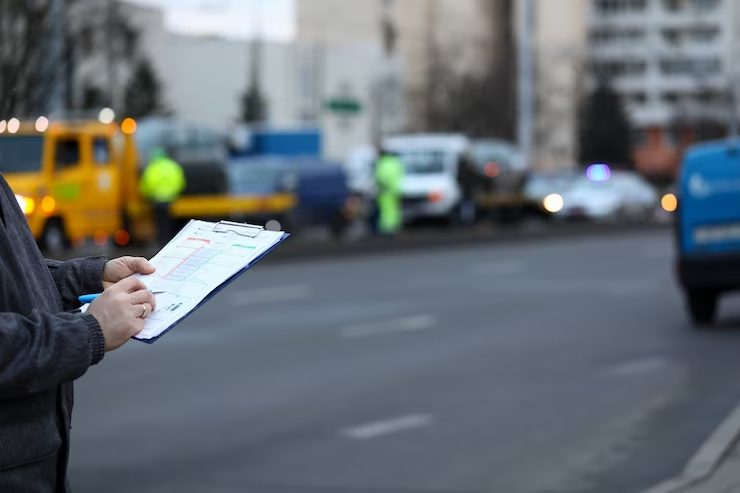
(609, 35)
(620, 6)
(636, 98)
(679, 5)
(710, 97)
(674, 5)
(705, 5)
(618, 68)
(670, 97)
(697, 67)
(699, 34)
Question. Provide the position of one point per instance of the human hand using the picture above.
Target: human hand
(118, 269)
(121, 311)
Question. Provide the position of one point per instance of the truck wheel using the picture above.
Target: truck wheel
(702, 305)
(54, 240)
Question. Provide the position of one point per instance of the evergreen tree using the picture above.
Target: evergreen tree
(143, 94)
(605, 130)
(254, 108)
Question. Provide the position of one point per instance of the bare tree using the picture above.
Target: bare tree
(101, 52)
(26, 71)
(44, 42)
(479, 101)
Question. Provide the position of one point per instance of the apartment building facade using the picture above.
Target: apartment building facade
(672, 61)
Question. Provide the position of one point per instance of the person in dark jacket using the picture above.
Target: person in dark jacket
(44, 346)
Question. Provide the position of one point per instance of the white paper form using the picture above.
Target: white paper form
(202, 257)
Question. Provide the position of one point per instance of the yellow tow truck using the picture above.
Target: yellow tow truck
(78, 180)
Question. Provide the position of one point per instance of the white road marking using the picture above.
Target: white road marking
(707, 459)
(639, 367)
(270, 295)
(406, 324)
(388, 426)
(500, 268)
(568, 287)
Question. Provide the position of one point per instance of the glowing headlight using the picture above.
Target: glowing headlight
(553, 203)
(669, 202)
(27, 205)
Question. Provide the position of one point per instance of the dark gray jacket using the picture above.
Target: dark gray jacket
(42, 350)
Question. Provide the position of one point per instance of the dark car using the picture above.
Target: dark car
(502, 175)
(321, 189)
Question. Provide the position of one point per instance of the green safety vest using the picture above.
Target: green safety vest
(163, 180)
(388, 176)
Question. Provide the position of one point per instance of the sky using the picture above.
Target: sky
(273, 19)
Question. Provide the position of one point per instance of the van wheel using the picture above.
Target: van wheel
(702, 304)
(54, 240)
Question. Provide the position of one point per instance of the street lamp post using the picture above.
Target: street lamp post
(525, 78)
(56, 60)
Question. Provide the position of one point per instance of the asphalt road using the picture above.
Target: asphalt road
(543, 366)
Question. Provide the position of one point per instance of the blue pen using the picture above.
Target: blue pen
(89, 298)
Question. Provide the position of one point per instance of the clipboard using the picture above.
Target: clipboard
(222, 234)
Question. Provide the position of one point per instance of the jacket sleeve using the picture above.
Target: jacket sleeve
(40, 351)
(76, 277)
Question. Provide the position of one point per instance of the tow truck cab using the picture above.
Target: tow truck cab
(708, 227)
(67, 180)
(78, 180)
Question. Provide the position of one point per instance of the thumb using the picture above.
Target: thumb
(140, 265)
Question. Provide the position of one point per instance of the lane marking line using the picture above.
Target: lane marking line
(707, 459)
(500, 268)
(270, 295)
(399, 325)
(387, 427)
(639, 367)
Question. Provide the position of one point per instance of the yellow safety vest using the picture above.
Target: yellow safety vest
(163, 180)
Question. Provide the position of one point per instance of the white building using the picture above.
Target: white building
(672, 61)
(203, 80)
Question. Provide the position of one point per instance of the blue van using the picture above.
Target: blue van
(708, 226)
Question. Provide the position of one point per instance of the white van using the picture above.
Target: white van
(431, 185)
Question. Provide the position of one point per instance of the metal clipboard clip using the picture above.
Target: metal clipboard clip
(241, 229)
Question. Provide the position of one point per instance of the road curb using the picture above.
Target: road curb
(436, 240)
(707, 459)
(297, 249)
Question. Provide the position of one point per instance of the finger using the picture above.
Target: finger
(140, 265)
(130, 284)
(137, 326)
(147, 310)
(142, 296)
(142, 310)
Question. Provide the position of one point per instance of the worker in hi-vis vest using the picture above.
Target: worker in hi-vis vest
(162, 182)
(388, 177)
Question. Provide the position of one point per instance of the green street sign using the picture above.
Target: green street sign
(343, 106)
